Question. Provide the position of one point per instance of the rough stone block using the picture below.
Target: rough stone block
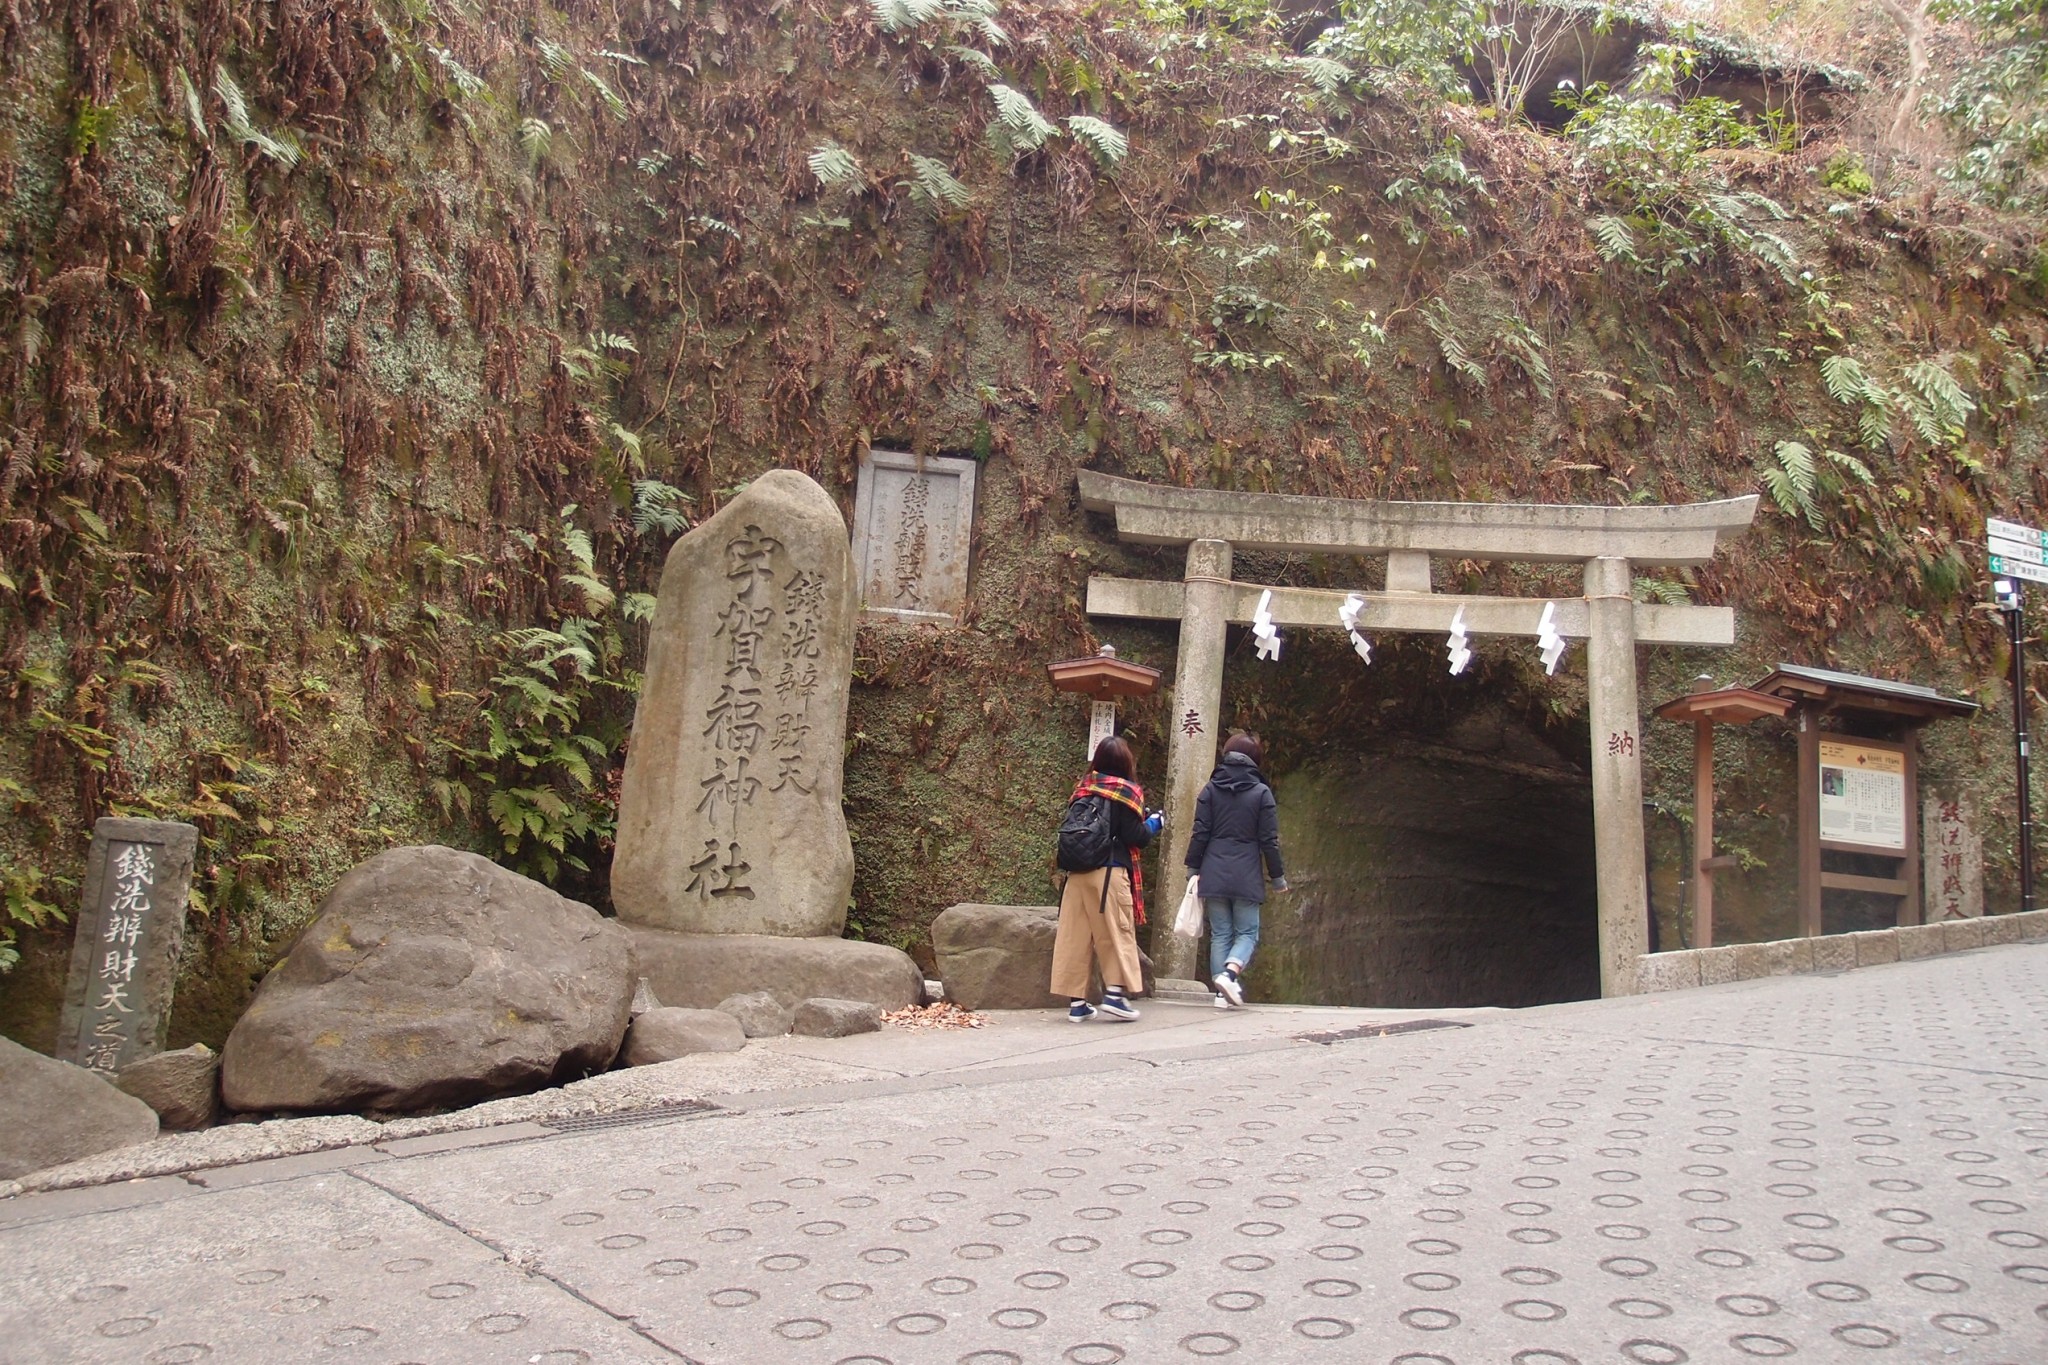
(699, 970)
(997, 957)
(183, 1086)
(52, 1112)
(1874, 946)
(760, 1014)
(1673, 971)
(431, 977)
(1957, 935)
(662, 1035)
(1919, 940)
(2001, 929)
(836, 1018)
(1789, 956)
(1833, 953)
(2033, 924)
(1752, 960)
(1717, 965)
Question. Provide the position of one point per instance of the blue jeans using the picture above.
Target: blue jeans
(1233, 931)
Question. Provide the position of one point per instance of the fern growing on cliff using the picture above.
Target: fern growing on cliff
(1108, 146)
(1019, 129)
(1796, 478)
(934, 186)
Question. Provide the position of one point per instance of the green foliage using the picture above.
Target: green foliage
(284, 150)
(29, 893)
(1997, 104)
(1845, 174)
(551, 725)
(907, 17)
(1436, 316)
(1106, 144)
(1019, 129)
(658, 509)
(933, 185)
(1797, 480)
(836, 168)
(90, 124)
(1414, 45)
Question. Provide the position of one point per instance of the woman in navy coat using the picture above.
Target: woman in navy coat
(1237, 827)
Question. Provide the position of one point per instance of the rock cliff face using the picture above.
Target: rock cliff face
(363, 362)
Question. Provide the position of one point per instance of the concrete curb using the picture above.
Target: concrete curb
(1690, 967)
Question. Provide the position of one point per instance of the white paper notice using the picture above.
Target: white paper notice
(1862, 794)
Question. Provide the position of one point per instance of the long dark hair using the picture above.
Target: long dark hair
(1114, 757)
(1249, 746)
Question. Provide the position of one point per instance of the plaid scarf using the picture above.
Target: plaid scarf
(1124, 794)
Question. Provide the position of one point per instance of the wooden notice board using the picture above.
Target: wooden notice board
(1861, 797)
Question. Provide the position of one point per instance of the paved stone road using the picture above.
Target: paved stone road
(1829, 1169)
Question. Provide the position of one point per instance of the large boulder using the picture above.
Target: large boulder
(432, 977)
(730, 818)
(760, 1014)
(701, 970)
(996, 957)
(664, 1034)
(183, 1086)
(835, 1018)
(52, 1112)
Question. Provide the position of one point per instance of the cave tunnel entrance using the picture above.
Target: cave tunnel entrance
(1427, 877)
(1438, 837)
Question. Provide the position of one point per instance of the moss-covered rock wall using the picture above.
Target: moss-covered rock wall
(362, 359)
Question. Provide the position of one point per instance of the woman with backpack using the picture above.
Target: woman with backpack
(1237, 824)
(1102, 904)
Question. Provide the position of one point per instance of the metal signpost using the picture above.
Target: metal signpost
(2018, 554)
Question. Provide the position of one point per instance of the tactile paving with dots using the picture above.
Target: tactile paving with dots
(1526, 1193)
(317, 1269)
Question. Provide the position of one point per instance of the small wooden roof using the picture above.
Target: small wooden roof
(1104, 676)
(1852, 692)
(1728, 705)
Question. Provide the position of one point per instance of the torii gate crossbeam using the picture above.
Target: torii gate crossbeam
(1609, 541)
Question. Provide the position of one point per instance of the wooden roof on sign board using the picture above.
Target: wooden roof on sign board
(1727, 705)
(1853, 692)
(1103, 677)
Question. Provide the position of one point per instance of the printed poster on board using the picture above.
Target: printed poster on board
(1862, 794)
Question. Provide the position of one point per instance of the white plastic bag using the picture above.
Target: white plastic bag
(1187, 921)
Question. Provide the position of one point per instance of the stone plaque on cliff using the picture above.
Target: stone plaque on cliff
(1952, 861)
(124, 956)
(729, 820)
(912, 522)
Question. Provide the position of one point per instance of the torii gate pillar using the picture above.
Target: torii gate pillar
(1617, 773)
(1197, 706)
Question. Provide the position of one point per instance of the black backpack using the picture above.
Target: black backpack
(1086, 837)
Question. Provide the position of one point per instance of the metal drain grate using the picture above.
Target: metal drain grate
(1345, 1035)
(631, 1118)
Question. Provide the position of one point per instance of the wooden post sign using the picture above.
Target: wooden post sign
(124, 957)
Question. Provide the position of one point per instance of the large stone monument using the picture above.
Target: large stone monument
(733, 863)
(124, 955)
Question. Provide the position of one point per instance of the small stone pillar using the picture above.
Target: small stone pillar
(1197, 707)
(124, 954)
(1617, 773)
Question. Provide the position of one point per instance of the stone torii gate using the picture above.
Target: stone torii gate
(1609, 541)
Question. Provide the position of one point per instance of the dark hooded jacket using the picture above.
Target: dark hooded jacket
(1236, 820)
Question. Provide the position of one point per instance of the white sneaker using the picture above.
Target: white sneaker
(1221, 1003)
(1226, 981)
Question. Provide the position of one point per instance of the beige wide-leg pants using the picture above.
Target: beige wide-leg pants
(1105, 936)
